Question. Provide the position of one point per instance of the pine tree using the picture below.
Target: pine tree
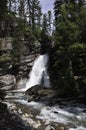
(45, 24)
(3, 12)
(65, 26)
(57, 7)
(29, 4)
(22, 9)
(49, 20)
(45, 35)
(69, 30)
(34, 13)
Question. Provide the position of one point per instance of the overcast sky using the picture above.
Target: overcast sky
(47, 5)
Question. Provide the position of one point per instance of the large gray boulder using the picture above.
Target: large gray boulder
(7, 82)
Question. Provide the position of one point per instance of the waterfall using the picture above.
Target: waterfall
(39, 74)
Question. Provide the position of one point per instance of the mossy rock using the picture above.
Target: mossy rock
(46, 92)
(5, 58)
(34, 90)
(39, 93)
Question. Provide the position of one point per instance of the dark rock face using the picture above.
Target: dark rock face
(26, 64)
(2, 94)
(11, 72)
(3, 106)
(5, 68)
(7, 65)
(10, 120)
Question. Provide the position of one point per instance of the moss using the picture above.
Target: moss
(45, 92)
(5, 58)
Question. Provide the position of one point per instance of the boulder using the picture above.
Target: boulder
(5, 68)
(62, 128)
(49, 127)
(7, 82)
(39, 93)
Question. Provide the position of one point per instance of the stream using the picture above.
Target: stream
(70, 114)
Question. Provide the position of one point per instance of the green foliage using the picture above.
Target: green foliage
(69, 35)
(66, 30)
(30, 38)
(3, 8)
(45, 32)
(82, 84)
(77, 48)
(67, 87)
(5, 58)
(3, 13)
(70, 42)
(82, 25)
(17, 51)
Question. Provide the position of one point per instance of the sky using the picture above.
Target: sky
(47, 5)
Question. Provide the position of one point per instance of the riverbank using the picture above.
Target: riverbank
(44, 111)
(66, 116)
(10, 120)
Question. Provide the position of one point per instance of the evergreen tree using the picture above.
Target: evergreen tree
(45, 24)
(34, 13)
(57, 6)
(29, 3)
(69, 38)
(3, 12)
(49, 21)
(45, 35)
(22, 9)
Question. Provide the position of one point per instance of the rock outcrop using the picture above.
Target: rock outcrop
(7, 82)
(11, 72)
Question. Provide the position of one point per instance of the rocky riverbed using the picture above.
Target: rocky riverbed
(41, 109)
(10, 120)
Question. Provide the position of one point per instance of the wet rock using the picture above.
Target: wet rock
(7, 82)
(20, 72)
(26, 115)
(33, 123)
(2, 94)
(34, 90)
(55, 112)
(21, 83)
(49, 127)
(84, 111)
(39, 93)
(5, 68)
(3, 106)
(19, 111)
(23, 68)
(61, 128)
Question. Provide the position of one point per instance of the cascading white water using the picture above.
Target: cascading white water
(39, 74)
